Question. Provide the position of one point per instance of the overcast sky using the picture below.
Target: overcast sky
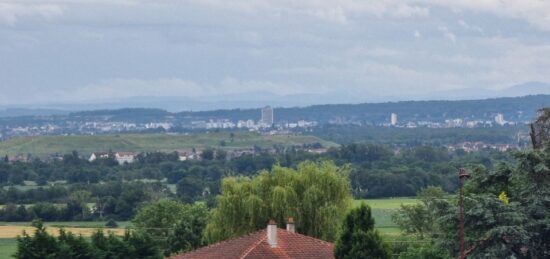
(79, 50)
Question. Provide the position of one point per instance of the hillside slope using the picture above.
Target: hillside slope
(86, 144)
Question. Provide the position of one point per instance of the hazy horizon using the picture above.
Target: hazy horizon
(248, 53)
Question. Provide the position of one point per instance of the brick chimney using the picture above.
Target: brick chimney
(290, 225)
(272, 233)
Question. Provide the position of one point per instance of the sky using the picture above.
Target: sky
(55, 51)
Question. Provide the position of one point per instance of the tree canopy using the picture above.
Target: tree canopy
(42, 245)
(417, 219)
(358, 239)
(316, 195)
(175, 226)
(507, 212)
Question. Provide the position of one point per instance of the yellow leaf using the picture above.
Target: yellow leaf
(503, 197)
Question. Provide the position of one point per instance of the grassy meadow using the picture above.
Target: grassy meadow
(382, 209)
(8, 246)
(86, 144)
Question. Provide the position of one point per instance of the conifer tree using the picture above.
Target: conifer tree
(40, 245)
(71, 246)
(516, 225)
(359, 239)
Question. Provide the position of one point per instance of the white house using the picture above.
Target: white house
(97, 155)
(183, 156)
(125, 157)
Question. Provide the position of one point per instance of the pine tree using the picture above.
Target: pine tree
(109, 246)
(40, 246)
(71, 246)
(141, 245)
(358, 238)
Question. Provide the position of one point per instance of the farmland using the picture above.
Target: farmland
(382, 209)
(10, 230)
(8, 246)
(86, 144)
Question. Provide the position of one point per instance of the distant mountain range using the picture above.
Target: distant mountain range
(19, 112)
(531, 88)
(259, 99)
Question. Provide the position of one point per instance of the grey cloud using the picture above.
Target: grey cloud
(82, 50)
(11, 12)
(535, 12)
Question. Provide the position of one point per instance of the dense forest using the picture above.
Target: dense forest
(409, 137)
(506, 215)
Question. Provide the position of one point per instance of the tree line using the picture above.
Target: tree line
(76, 189)
(316, 195)
(42, 245)
(506, 213)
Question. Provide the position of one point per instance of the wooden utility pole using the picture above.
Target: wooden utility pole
(462, 176)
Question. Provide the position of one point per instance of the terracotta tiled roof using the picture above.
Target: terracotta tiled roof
(255, 245)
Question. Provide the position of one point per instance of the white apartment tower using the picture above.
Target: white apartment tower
(393, 119)
(267, 115)
(499, 119)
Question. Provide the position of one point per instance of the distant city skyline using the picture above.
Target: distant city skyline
(57, 52)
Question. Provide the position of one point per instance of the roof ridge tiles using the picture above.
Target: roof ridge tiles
(222, 242)
(252, 247)
(308, 237)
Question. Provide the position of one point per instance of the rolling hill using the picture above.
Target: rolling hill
(86, 144)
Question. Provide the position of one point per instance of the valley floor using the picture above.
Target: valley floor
(382, 210)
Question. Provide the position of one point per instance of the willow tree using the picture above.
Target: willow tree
(316, 195)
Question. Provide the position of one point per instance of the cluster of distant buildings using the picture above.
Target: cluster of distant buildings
(83, 128)
(450, 123)
(130, 157)
(190, 154)
(477, 146)
(120, 157)
(104, 125)
(119, 126)
(266, 122)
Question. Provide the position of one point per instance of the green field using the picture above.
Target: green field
(388, 203)
(382, 209)
(86, 144)
(8, 246)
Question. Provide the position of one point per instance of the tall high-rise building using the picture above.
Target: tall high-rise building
(393, 119)
(499, 119)
(267, 115)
